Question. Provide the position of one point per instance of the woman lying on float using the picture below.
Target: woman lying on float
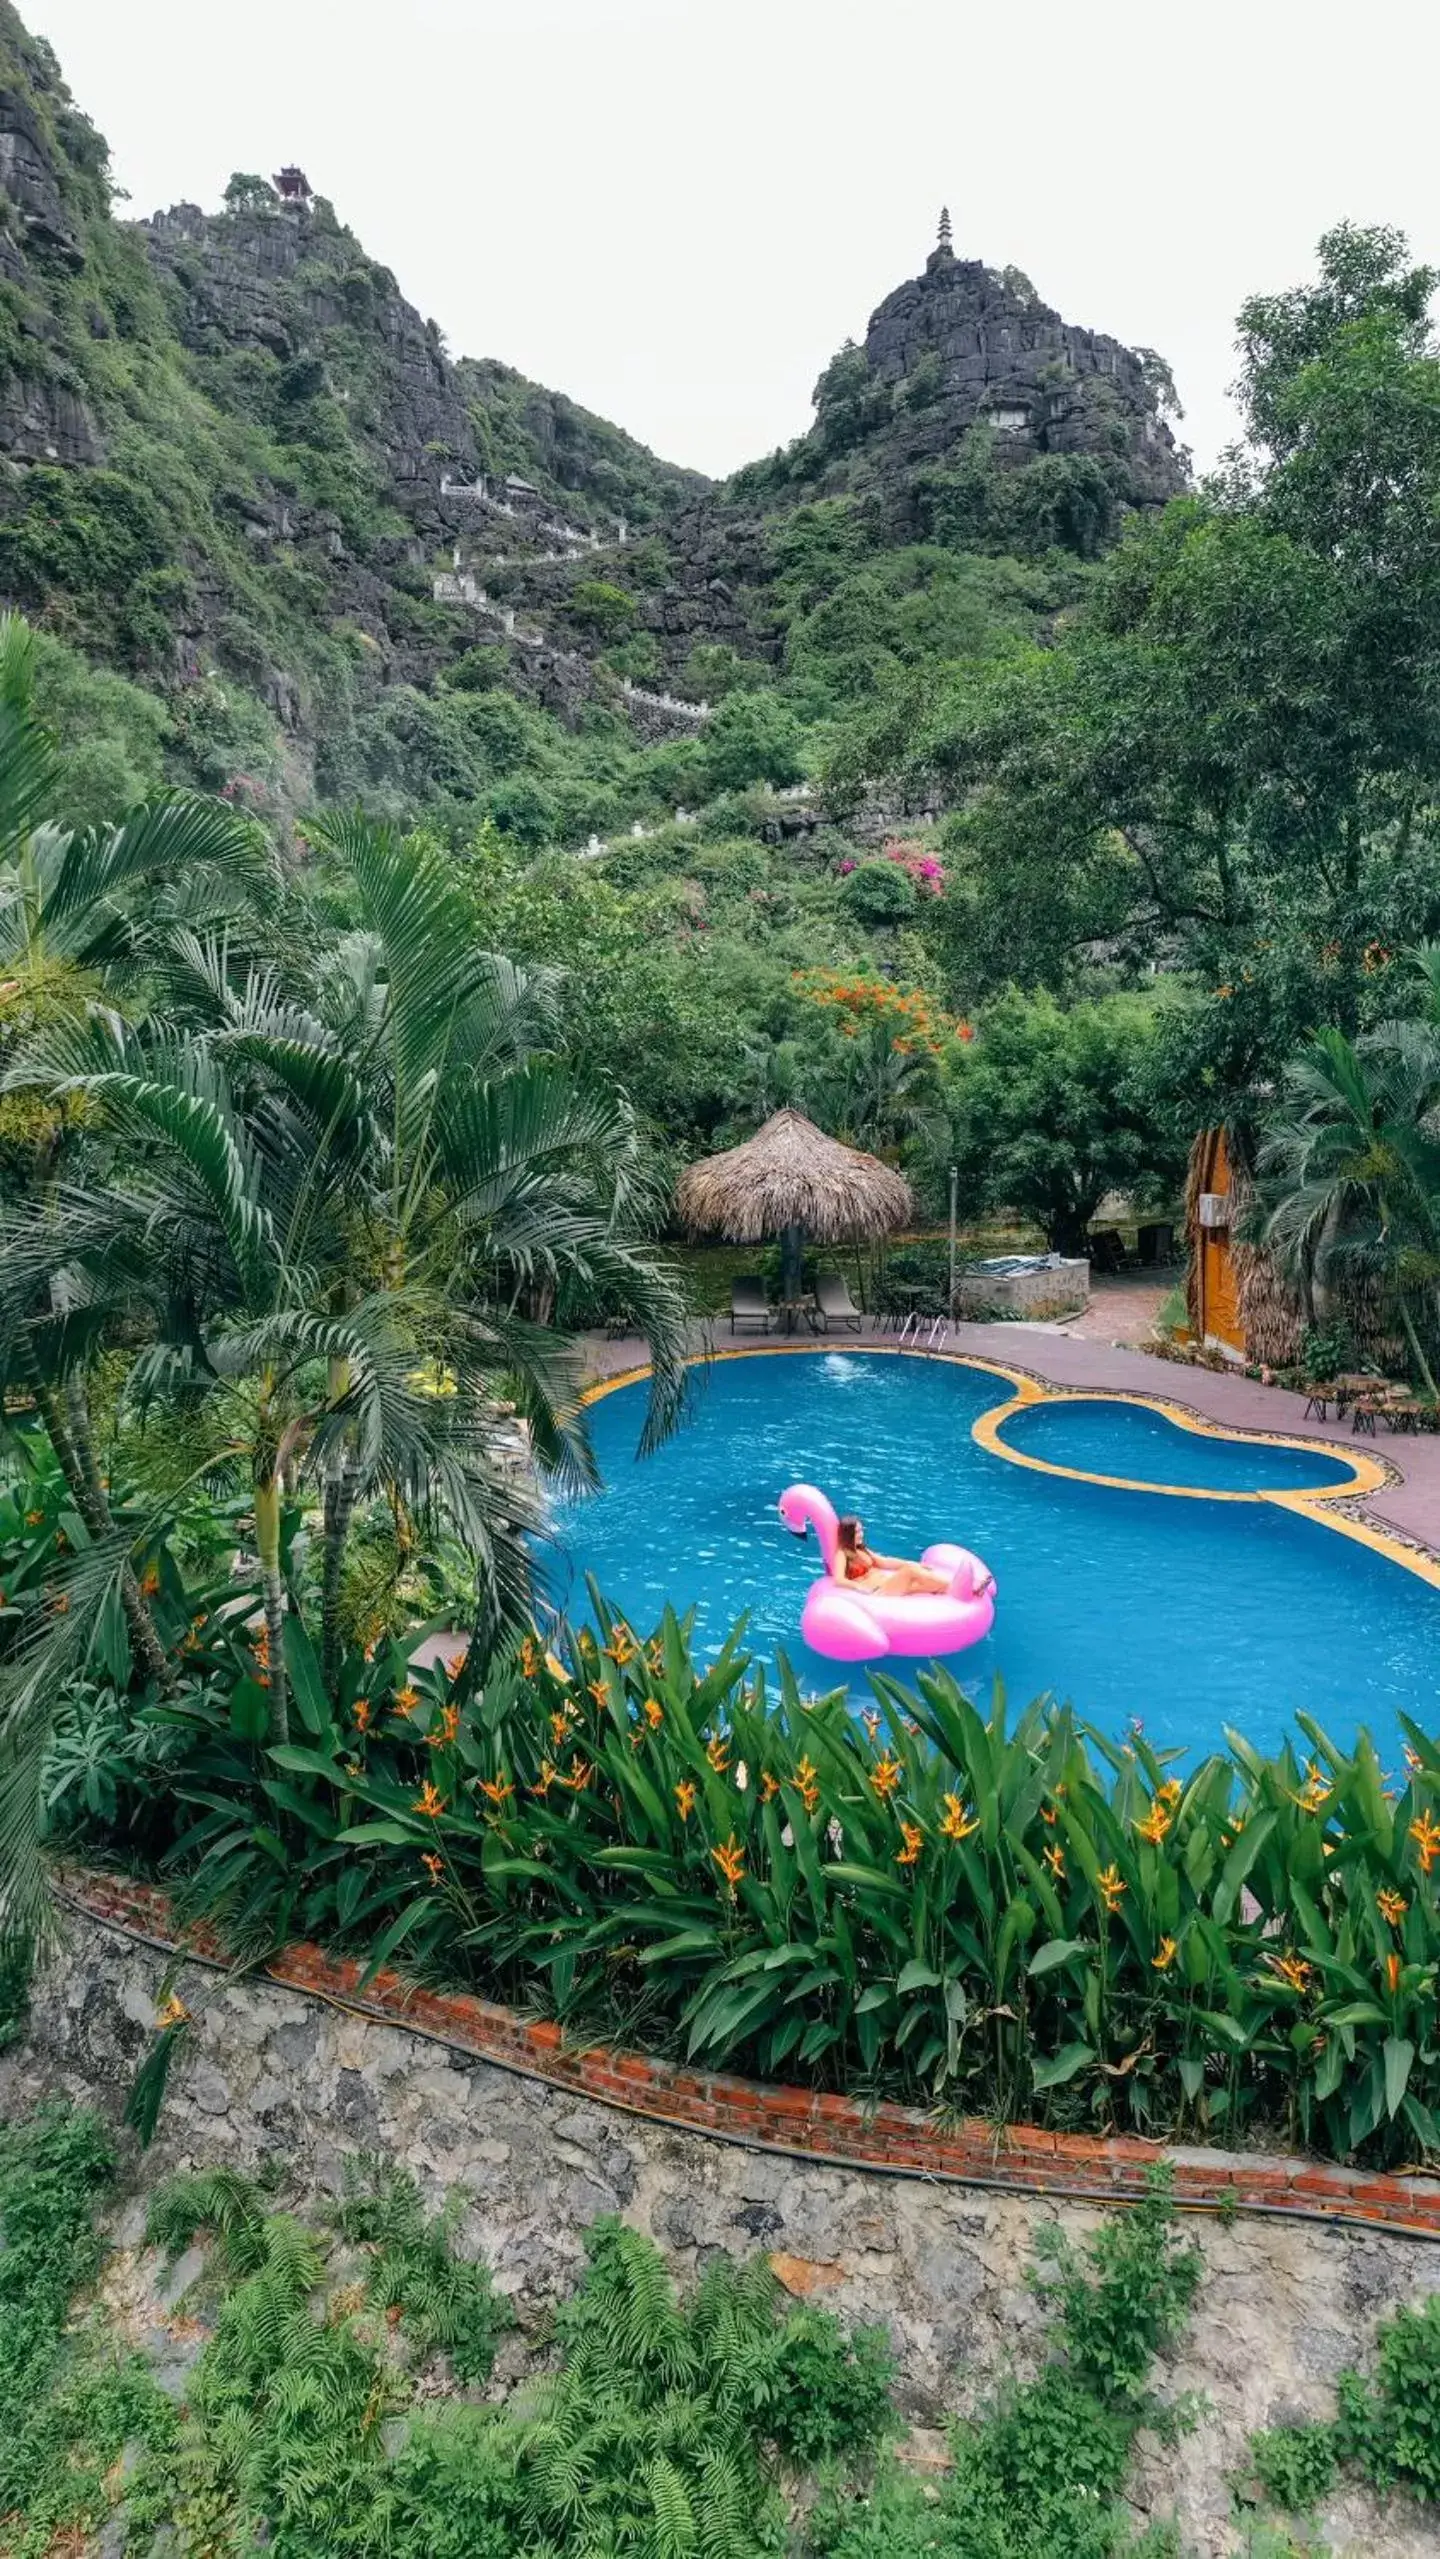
(869, 1605)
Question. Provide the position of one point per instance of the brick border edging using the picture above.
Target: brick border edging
(805, 2123)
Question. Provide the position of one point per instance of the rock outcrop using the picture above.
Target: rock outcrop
(1000, 357)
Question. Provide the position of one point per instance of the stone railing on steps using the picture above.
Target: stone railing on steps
(801, 2122)
(461, 586)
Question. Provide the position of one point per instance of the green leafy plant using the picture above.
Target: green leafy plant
(1040, 2475)
(71, 2399)
(1296, 2465)
(1389, 2422)
(447, 2303)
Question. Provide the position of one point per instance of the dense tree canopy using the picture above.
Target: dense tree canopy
(1226, 760)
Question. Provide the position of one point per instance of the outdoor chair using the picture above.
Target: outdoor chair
(833, 1301)
(750, 1305)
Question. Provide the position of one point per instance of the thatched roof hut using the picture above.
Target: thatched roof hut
(790, 1177)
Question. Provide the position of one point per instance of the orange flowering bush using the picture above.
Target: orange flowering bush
(905, 1017)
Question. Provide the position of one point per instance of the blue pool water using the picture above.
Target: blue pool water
(1189, 1614)
(1130, 1440)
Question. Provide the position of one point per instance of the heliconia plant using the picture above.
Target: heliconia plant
(1011, 1915)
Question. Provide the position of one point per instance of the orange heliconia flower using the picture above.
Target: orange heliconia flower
(580, 1775)
(685, 1798)
(429, 1801)
(496, 1790)
(958, 1821)
(1292, 1969)
(434, 1866)
(406, 1700)
(885, 1777)
(443, 1733)
(654, 1713)
(769, 1787)
(1316, 1792)
(914, 1839)
(731, 1860)
(1110, 1885)
(1164, 1955)
(1426, 1835)
(718, 1753)
(807, 1780)
(362, 1714)
(1156, 1825)
(545, 1780)
(1391, 1906)
(1392, 1973)
(1055, 1860)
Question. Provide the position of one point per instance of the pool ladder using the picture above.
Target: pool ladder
(914, 1337)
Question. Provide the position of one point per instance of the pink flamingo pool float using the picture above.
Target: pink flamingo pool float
(850, 1625)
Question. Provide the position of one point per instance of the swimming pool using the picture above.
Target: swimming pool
(1188, 1613)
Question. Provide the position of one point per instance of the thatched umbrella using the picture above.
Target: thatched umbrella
(791, 1180)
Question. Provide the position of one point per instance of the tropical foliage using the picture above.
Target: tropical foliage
(1009, 1916)
(654, 2425)
(326, 1188)
(1350, 1170)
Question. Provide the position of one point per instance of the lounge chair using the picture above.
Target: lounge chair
(833, 1301)
(750, 1305)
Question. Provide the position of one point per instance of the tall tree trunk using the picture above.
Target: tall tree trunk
(67, 1425)
(267, 1545)
(1413, 1337)
(339, 1511)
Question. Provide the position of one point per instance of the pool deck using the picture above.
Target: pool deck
(1408, 1506)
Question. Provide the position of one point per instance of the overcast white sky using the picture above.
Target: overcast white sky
(676, 210)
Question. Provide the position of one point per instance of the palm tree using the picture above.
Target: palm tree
(85, 914)
(322, 1213)
(1350, 1166)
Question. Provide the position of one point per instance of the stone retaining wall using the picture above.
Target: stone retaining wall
(276, 2068)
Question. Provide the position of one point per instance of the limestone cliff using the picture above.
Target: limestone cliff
(239, 466)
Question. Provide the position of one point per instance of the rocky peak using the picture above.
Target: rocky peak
(964, 344)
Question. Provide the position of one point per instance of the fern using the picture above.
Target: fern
(447, 2304)
(677, 2534)
(219, 2204)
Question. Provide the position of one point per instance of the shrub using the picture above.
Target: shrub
(880, 893)
(827, 2394)
(1295, 2465)
(1327, 1350)
(1389, 2426)
(753, 737)
(605, 611)
(479, 670)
